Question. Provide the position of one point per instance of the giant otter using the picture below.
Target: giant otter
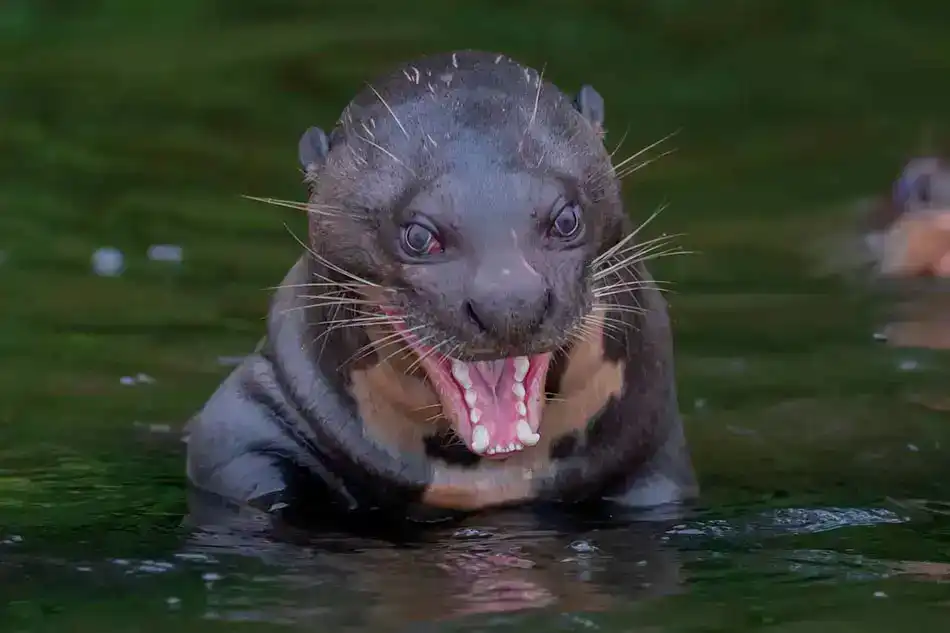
(471, 324)
(914, 223)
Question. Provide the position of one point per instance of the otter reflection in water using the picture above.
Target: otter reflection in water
(506, 562)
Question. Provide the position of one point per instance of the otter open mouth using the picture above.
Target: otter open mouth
(494, 406)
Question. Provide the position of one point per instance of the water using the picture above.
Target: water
(821, 448)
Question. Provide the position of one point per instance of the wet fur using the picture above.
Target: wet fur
(320, 416)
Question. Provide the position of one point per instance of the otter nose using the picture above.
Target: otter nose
(508, 303)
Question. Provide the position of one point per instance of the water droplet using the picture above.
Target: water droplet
(908, 365)
(470, 533)
(584, 547)
(138, 379)
(108, 262)
(199, 558)
(165, 253)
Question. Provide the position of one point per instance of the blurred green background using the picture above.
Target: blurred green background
(127, 124)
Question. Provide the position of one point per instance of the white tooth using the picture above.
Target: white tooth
(511, 446)
(525, 434)
(518, 389)
(460, 372)
(500, 449)
(470, 398)
(522, 364)
(480, 439)
(518, 446)
(475, 415)
(521, 408)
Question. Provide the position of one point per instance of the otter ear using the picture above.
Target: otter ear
(312, 149)
(591, 105)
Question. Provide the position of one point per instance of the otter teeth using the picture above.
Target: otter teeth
(525, 434)
(480, 439)
(522, 364)
(512, 447)
(460, 373)
(518, 389)
(470, 397)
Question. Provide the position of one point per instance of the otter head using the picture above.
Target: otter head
(923, 184)
(466, 201)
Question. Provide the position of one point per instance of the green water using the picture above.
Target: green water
(127, 124)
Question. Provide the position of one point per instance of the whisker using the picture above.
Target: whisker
(644, 150)
(534, 111)
(433, 417)
(387, 152)
(424, 356)
(616, 307)
(309, 207)
(392, 338)
(391, 113)
(426, 406)
(632, 169)
(343, 299)
(620, 143)
(613, 324)
(632, 285)
(610, 252)
(323, 260)
(637, 258)
(633, 256)
(367, 320)
(407, 349)
(343, 285)
(327, 304)
(647, 245)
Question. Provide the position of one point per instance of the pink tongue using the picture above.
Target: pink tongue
(490, 371)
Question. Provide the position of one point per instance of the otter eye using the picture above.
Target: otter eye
(418, 240)
(567, 222)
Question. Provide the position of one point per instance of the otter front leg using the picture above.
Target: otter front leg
(665, 478)
(253, 479)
